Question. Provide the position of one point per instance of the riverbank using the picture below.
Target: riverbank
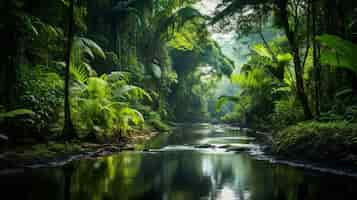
(54, 153)
(334, 142)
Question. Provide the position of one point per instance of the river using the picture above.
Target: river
(175, 169)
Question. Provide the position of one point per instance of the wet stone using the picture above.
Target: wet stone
(225, 146)
(204, 146)
(238, 149)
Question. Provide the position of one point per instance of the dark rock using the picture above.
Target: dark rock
(204, 146)
(103, 153)
(112, 149)
(238, 149)
(224, 146)
(152, 150)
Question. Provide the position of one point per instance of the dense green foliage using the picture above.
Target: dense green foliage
(306, 71)
(125, 66)
(316, 140)
(105, 69)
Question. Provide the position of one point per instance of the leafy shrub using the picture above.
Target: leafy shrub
(100, 106)
(317, 140)
(286, 112)
(158, 125)
(154, 120)
(42, 92)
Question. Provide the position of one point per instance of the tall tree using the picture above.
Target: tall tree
(292, 35)
(316, 57)
(68, 129)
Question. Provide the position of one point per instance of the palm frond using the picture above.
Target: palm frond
(131, 92)
(79, 73)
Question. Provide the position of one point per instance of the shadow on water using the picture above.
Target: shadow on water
(178, 175)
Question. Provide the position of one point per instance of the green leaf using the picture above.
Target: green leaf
(338, 52)
(96, 49)
(80, 73)
(262, 51)
(285, 57)
(131, 91)
(132, 115)
(97, 87)
(16, 113)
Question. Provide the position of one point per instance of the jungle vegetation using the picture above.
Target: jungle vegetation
(104, 69)
(303, 77)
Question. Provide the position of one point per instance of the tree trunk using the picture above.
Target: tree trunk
(68, 129)
(8, 55)
(300, 91)
(316, 59)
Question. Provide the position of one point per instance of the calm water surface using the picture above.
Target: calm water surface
(179, 172)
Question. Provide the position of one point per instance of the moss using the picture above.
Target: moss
(318, 141)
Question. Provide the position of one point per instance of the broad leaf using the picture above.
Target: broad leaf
(338, 52)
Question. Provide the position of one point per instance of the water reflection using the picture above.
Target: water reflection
(176, 175)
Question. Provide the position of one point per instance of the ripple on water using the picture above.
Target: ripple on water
(226, 140)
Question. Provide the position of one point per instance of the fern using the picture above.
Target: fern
(129, 115)
(79, 73)
(130, 91)
(81, 49)
(100, 106)
(97, 88)
(261, 50)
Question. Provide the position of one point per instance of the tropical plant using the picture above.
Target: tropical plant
(338, 52)
(265, 81)
(68, 128)
(83, 51)
(102, 106)
(41, 91)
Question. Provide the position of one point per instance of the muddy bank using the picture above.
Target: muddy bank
(53, 154)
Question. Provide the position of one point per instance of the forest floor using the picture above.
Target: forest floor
(55, 153)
